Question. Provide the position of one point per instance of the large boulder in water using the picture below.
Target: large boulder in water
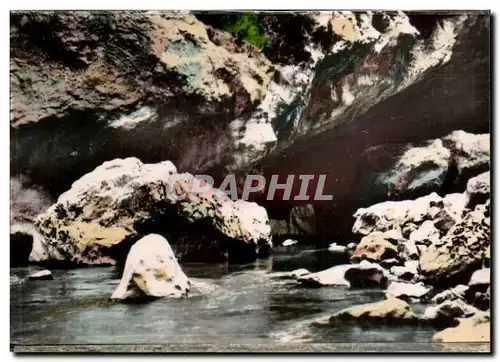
(151, 270)
(124, 199)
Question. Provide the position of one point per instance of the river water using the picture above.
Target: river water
(240, 304)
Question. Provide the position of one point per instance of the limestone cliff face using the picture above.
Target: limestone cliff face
(91, 86)
(330, 89)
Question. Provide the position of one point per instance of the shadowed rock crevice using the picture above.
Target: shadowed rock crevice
(20, 249)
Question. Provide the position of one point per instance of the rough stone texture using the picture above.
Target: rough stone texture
(86, 86)
(124, 198)
(348, 275)
(326, 77)
(435, 164)
(402, 272)
(478, 190)
(408, 250)
(302, 220)
(419, 171)
(474, 329)
(470, 153)
(393, 214)
(26, 203)
(457, 292)
(151, 270)
(300, 224)
(374, 247)
(391, 310)
(478, 292)
(279, 228)
(460, 252)
(426, 234)
(162, 53)
(447, 312)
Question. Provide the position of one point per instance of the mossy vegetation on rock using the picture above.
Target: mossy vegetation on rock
(246, 27)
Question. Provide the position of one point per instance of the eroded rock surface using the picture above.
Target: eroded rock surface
(151, 270)
(459, 252)
(124, 198)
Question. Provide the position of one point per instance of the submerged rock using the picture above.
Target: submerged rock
(473, 329)
(348, 275)
(289, 242)
(151, 270)
(41, 275)
(407, 290)
(337, 249)
(124, 199)
(294, 274)
(388, 311)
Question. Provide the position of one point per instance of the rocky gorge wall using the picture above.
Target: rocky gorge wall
(345, 95)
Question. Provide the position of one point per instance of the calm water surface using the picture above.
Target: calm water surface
(228, 304)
